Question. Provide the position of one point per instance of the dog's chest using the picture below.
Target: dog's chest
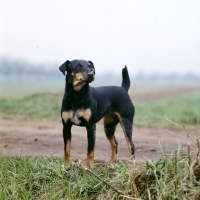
(77, 117)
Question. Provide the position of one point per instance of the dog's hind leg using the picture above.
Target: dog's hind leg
(127, 127)
(110, 123)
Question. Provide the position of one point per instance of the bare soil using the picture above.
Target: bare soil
(44, 137)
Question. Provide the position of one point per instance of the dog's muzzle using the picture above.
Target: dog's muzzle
(90, 77)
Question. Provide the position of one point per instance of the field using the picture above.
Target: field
(30, 125)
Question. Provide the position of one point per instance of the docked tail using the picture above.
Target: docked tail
(125, 79)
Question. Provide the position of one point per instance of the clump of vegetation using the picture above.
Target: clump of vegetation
(163, 179)
(170, 177)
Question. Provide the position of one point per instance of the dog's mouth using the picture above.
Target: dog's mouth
(89, 79)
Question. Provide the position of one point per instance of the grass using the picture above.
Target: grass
(42, 178)
(47, 178)
(183, 109)
(44, 105)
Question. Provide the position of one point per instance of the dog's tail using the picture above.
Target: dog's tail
(125, 79)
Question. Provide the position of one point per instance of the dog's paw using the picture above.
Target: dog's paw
(67, 160)
(89, 165)
(112, 160)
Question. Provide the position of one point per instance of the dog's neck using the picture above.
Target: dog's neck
(76, 97)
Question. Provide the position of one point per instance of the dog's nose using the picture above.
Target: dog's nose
(90, 74)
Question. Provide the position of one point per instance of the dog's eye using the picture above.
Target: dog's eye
(79, 66)
(92, 69)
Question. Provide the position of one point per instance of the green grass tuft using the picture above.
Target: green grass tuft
(43, 178)
(47, 178)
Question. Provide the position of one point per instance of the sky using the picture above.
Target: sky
(149, 36)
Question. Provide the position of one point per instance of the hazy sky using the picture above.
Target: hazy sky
(148, 36)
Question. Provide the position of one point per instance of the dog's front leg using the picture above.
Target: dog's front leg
(67, 141)
(91, 136)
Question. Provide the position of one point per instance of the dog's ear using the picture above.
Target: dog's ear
(91, 63)
(64, 67)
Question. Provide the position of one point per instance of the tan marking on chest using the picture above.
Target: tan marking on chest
(86, 114)
(67, 115)
(74, 116)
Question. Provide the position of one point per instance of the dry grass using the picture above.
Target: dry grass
(170, 177)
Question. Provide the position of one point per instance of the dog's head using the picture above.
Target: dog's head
(79, 72)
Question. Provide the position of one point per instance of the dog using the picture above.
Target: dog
(83, 105)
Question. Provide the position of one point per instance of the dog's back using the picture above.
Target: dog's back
(113, 98)
(110, 99)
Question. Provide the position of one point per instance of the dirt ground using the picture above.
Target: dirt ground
(44, 137)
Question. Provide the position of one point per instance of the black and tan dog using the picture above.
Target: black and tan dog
(83, 105)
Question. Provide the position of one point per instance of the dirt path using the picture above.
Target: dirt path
(33, 138)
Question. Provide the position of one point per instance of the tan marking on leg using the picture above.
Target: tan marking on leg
(129, 145)
(110, 118)
(67, 152)
(123, 128)
(90, 160)
(66, 115)
(114, 149)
